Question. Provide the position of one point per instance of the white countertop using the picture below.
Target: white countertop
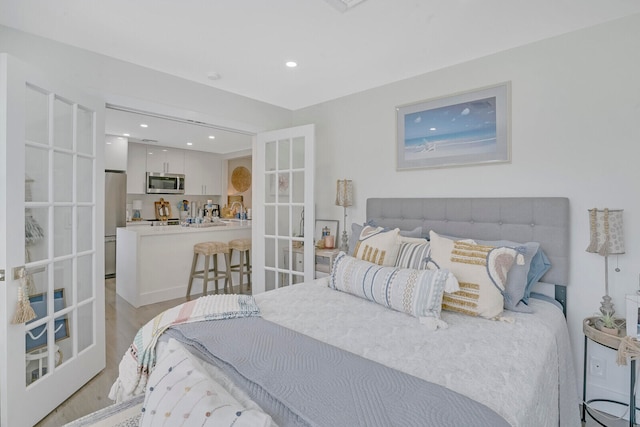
(148, 230)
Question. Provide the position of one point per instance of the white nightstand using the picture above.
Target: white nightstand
(324, 261)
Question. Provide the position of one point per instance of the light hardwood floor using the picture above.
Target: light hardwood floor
(122, 323)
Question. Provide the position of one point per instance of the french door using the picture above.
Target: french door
(283, 205)
(51, 242)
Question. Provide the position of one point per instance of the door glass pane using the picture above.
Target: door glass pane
(270, 188)
(283, 154)
(85, 277)
(62, 177)
(36, 116)
(270, 280)
(283, 221)
(270, 156)
(84, 131)
(85, 228)
(62, 124)
(36, 235)
(84, 182)
(297, 146)
(283, 187)
(285, 257)
(85, 326)
(62, 231)
(297, 187)
(36, 174)
(298, 221)
(63, 281)
(270, 220)
(270, 252)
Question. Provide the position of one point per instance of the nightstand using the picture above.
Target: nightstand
(612, 342)
(324, 261)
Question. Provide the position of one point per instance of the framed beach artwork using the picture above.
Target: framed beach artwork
(463, 129)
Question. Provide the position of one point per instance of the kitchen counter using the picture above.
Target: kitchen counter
(153, 263)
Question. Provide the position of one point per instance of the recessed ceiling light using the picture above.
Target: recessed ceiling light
(121, 138)
(212, 75)
(143, 125)
(189, 143)
(291, 64)
(126, 134)
(164, 149)
(212, 137)
(432, 128)
(108, 142)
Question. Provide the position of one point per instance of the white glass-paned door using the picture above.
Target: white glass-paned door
(283, 216)
(51, 215)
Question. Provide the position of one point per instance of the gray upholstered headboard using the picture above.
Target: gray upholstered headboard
(520, 219)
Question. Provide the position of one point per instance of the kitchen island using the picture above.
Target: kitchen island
(153, 264)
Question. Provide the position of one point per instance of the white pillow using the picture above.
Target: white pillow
(180, 393)
(481, 271)
(377, 245)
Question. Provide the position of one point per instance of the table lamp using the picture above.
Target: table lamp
(344, 198)
(606, 239)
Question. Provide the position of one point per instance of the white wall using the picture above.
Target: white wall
(121, 82)
(575, 133)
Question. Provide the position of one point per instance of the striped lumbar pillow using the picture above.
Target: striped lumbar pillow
(415, 292)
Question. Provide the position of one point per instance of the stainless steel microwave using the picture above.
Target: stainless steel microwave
(165, 183)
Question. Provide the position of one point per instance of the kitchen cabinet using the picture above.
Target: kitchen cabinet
(115, 153)
(203, 173)
(165, 159)
(136, 168)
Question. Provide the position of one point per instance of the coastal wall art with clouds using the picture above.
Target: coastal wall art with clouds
(462, 129)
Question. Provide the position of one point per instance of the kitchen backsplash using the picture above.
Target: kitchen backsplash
(148, 203)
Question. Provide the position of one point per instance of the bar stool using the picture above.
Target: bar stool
(244, 266)
(210, 249)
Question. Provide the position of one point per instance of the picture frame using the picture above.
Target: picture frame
(467, 128)
(332, 224)
(36, 338)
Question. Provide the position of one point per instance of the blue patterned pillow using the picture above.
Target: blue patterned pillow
(415, 292)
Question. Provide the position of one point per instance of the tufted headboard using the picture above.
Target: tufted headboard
(520, 219)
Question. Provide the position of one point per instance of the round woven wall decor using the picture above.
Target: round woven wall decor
(241, 179)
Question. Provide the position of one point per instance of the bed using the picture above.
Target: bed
(382, 366)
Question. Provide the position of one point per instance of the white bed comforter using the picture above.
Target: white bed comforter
(523, 370)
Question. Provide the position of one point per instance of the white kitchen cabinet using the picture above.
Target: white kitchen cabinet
(136, 168)
(203, 173)
(165, 159)
(115, 152)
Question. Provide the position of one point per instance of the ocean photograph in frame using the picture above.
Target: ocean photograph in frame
(463, 129)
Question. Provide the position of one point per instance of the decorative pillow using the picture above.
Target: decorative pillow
(356, 229)
(415, 292)
(517, 277)
(180, 392)
(481, 271)
(377, 245)
(540, 264)
(412, 254)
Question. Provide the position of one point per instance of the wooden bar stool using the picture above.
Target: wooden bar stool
(210, 250)
(244, 266)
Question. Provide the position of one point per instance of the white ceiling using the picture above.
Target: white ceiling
(247, 42)
(166, 132)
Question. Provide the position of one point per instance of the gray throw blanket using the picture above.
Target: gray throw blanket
(301, 381)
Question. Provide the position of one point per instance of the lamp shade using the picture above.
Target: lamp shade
(344, 193)
(137, 205)
(605, 227)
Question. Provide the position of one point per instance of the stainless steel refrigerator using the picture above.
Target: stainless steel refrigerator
(115, 215)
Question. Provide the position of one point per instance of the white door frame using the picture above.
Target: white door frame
(259, 251)
(22, 404)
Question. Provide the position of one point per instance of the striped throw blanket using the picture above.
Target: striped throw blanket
(139, 360)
